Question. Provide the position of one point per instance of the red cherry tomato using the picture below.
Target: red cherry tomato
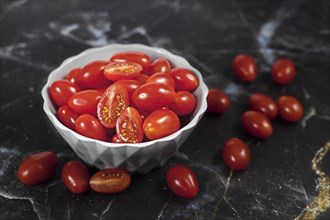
(110, 181)
(257, 124)
(116, 139)
(61, 90)
(182, 181)
(74, 75)
(153, 96)
(160, 123)
(67, 116)
(245, 68)
(87, 125)
(135, 57)
(115, 71)
(130, 84)
(184, 79)
(85, 102)
(75, 177)
(184, 103)
(129, 126)
(290, 108)
(92, 76)
(114, 100)
(236, 154)
(163, 78)
(142, 78)
(160, 65)
(263, 103)
(37, 168)
(217, 102)
(283, 71)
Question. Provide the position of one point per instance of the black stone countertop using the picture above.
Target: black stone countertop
(36, 36)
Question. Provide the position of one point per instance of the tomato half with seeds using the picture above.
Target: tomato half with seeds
(89, 126)
(67, 116)
(184, 79)
(129, 126)
(160, 65)
(135, 57)
(116, 139)
(115, 71)
(113, 101)
(85, 102)
(61, 90)
(92, 76)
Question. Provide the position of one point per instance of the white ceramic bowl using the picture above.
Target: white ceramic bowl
(137, 158)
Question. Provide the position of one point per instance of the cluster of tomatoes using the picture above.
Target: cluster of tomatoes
(257, 121)
(128, 99)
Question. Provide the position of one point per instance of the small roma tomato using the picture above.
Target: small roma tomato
(184, 79)
(160, 123)
(134, 57)
(283, 71)
(153, 96)
(142, 78)
(184, 103)
(85, 102)
(114, 100)
(75, 177)
(89, 126)
(92, 76)
(130, 84)
(61, 90)
(37, 168)
(263, 103)
(163, 78)
(257, 124)
(236, 154)
(110, 181)
(290, 108)
(245, 68)
(67, 116)
(116, 139)
(129, 126)
(160, 65)
(217, 101)
(74, 75)
(182, 181)
(115, 71)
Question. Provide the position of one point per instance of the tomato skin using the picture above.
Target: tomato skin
(163, 78)
(37, 168)
(184, 79)
(142, 78)
(87, 125)
(184, 103)
(217, 101)
(74, 76)
(153, 96)
(290, 108)
(257, 124)
(115, 71)
(130, 84)
(67, 116)
(129, 126)
(75, 177)
(263, 103)
(236, 154)
(92, 76)
(113, 101)
(160, 123)
(283, 71)
(61, 90)
(135, 57)
(182, 181)
(160, 65)
(245, 68)
(110, 181)
(85, 102)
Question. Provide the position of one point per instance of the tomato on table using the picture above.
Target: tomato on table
(75, 177)
(134, 57)
(218, 102)
(61, 90)
(290, 108)
(263, 103)
(115, 71)
(67, 116)
(163, 78)
(257, 124)
(184, 103)
(283, 71)
(92, 76)
(85, 102)
(89, 126)
(236, 154)
(161, 64)
(184, 79)
(245, 68)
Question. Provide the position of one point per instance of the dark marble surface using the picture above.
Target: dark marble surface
(36, 36)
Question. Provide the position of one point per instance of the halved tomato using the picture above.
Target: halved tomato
(129, 126)
(115, 71)
(113, 101)
(133, 56)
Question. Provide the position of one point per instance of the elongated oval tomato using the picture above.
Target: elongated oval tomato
(257, 124)
(85, 102)
(184, 79)
(67, 116)
(160, 123)
(110, 181)
(236, 154)
(74, 75)
(153, 96)
(184, 103)
(218, 102)
(163, 78)
(245, 68)
(115, 71)
(135, 57)
(61, 90)
(116, 139)
(290, 108)
(75, 177)
(263, 103)
(130, 84)
(129, 126)
(142, 78)
(37, 168)
(114, 100)
(92, 76)
(89, 126)
(160, 65)
(283, 71)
